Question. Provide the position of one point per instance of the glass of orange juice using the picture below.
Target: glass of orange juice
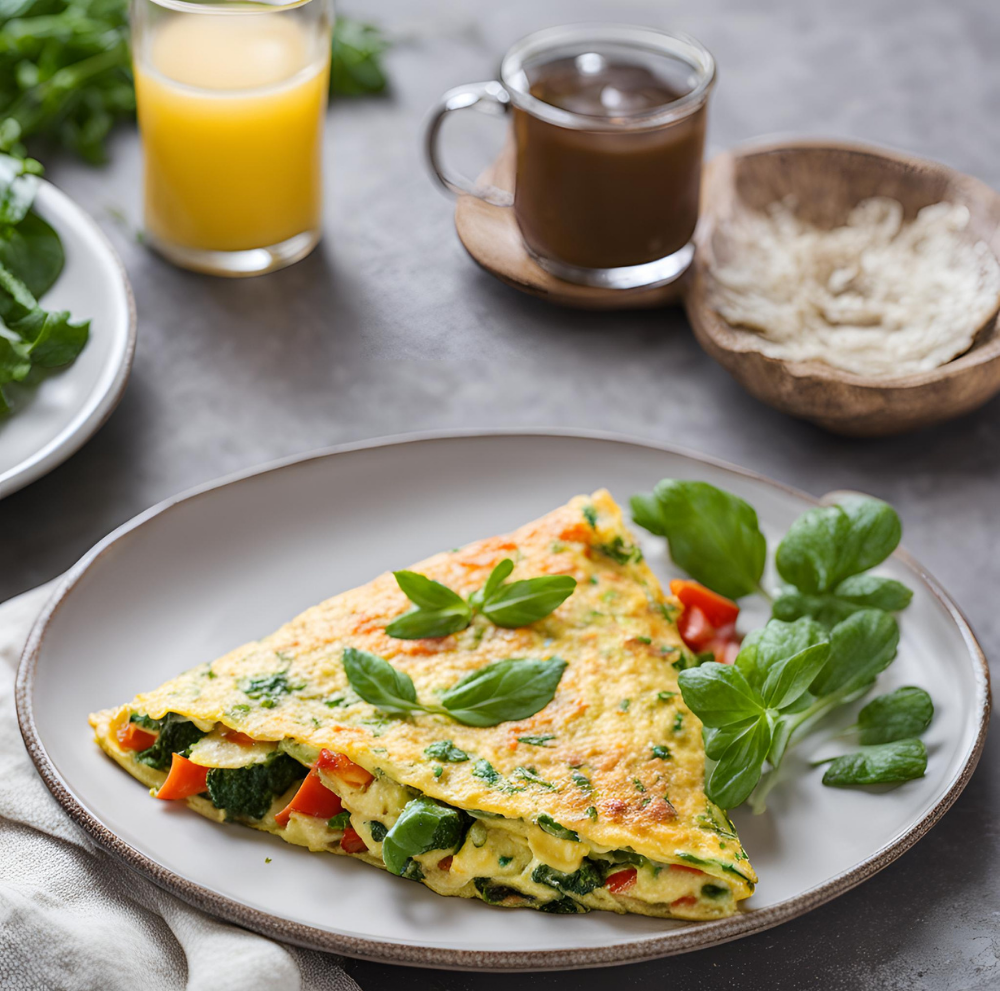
(231, 101)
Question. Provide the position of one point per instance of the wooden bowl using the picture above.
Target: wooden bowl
(827, 179)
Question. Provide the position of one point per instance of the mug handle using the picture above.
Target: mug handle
(486, 98)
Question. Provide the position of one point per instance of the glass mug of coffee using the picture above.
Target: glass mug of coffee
(609, 127)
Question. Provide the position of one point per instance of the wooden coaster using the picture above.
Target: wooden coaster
(491, 236)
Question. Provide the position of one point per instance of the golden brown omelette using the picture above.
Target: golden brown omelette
(595, 801)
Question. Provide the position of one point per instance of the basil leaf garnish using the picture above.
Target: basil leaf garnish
(504, 691)
(524, 602)
(501, 692)
(379, 683)
(440, 611)
(887, 763)
(419, 623)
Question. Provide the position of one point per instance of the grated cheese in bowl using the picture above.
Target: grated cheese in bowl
(879, 296)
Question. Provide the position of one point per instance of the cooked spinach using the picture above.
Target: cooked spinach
(550, 826)
(247, 792)
(378, 830)
(620, 551)
(485, 770)
(340, 821)
(269, 688)
(581, 882)
(496, 894)
(563, 906)
(177, 736)
(714, 891)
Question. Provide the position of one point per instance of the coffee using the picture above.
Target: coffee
(617, 193)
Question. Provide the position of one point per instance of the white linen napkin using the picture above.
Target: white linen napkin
(71, 917)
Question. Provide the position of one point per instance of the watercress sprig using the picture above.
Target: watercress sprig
(831, 635)
(504, 691)
(439, 611)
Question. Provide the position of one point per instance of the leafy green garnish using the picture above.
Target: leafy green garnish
(886, 763)
(445, 750)
(831, 635)
(439, 611)
(269, 688)
(378, 830)
(830, 543)
(500, 692)
(485, 770)
(542, 740)
(247, 792)
(590, 515)
(620, 551)
(581, 781)
(140, 719)
(177, 736)
(661, 752)
(530, 775)
(906, 712)
(422, 826)
(713, 535)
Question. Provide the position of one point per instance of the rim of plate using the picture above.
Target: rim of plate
(695, 936)
(95, 412)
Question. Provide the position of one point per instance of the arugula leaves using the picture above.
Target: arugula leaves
(504, 691)
(713, 535)
(831, 634)
(439, 611)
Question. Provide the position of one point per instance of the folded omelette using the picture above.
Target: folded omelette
(594, 802)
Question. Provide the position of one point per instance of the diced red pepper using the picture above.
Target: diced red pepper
(312, 799)
(186, 778)
(695, 629)
(445, 863)
(684, 902)
(130, 737)
(718, 610)
(341, 766)
(682, 867)
(350, 842)
(235, 736)
(621, 880)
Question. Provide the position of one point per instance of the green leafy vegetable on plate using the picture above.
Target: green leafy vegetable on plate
(438, 611)
(504, 691)
(831, 635)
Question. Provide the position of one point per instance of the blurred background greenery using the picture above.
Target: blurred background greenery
(66, 72)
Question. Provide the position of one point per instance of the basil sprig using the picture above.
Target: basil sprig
(504, 691)
(831, 635)
(439, 611)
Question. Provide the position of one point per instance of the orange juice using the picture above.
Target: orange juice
(231, 113)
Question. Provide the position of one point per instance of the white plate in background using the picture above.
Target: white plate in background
(57, 417)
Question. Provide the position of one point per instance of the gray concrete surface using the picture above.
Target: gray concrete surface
(390, 328)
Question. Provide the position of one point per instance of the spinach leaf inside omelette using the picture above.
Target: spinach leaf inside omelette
(594, 801)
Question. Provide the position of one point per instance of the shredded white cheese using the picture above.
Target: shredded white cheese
(878, 297)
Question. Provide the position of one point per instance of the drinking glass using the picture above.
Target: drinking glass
(231, 103)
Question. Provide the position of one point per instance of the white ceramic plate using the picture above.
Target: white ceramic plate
(53, 420)
(191, 578)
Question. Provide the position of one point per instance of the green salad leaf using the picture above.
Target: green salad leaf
(713, 535)
(904, 713)
(887, 763)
